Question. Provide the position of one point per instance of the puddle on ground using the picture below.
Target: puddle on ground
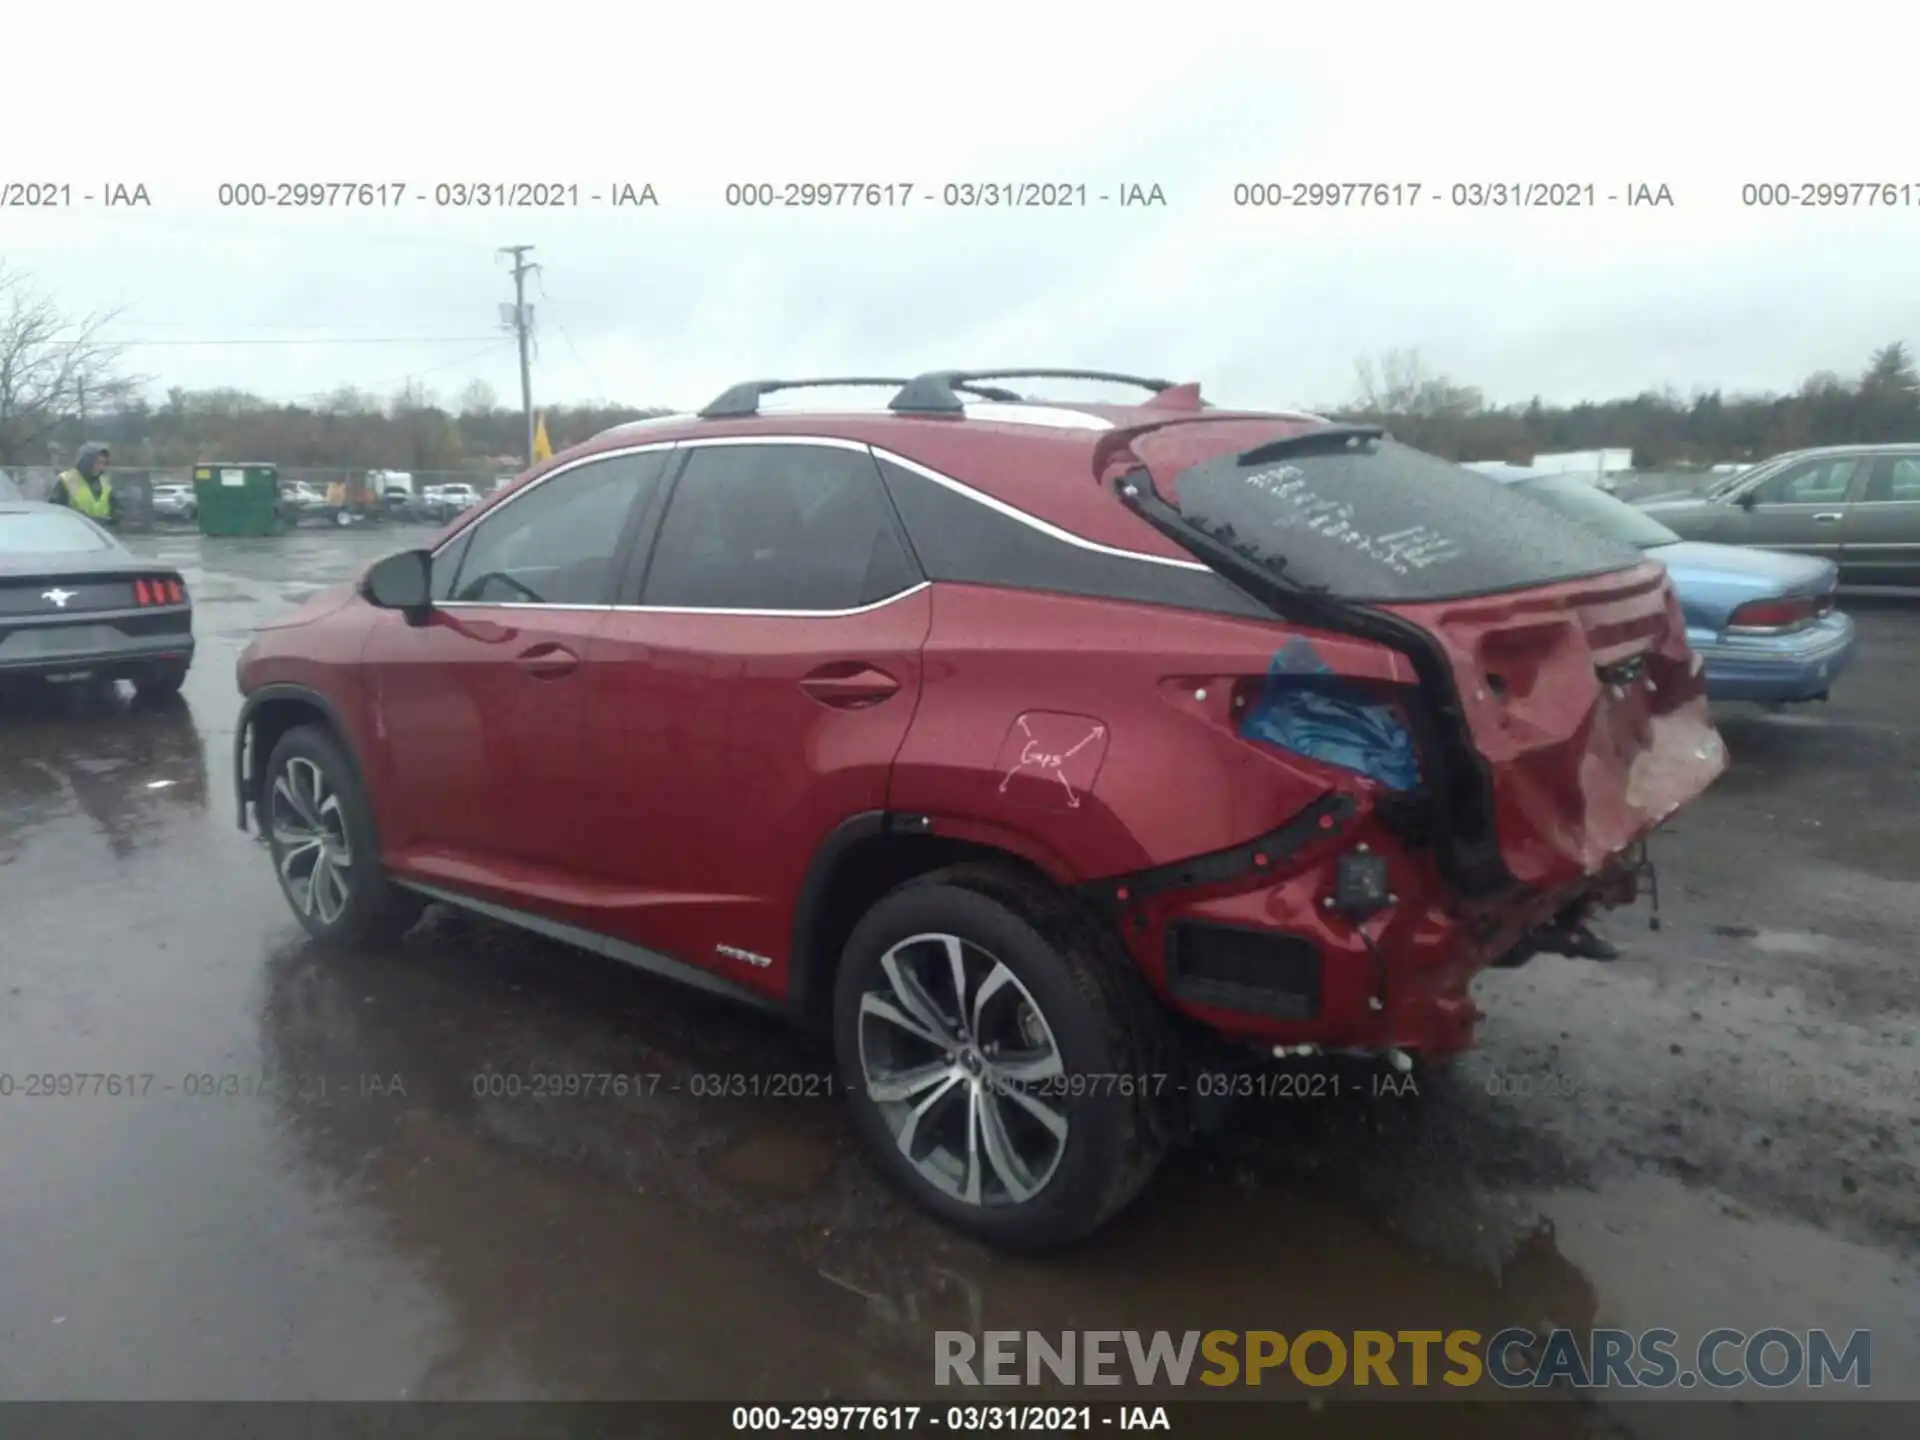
(788, 1162)
(1791, 942)
(1667, 1255)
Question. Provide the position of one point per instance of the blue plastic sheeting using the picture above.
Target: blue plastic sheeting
(1304, 708)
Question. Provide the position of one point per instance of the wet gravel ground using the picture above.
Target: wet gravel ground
(1719, 1129)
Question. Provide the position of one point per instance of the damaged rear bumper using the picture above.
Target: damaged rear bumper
(1588, 728)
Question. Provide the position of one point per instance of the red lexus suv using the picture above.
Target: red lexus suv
(1017, 745)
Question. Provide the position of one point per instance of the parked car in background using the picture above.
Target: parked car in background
(440, 503)
(1855, 505)
(1762, 621)
(77, 604)
(1012, 744)
(175, 501)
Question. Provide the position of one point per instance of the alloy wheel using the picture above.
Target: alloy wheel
(309, 831)
(961, 1063)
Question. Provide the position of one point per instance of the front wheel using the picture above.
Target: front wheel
(326, 853)
(997, 1054)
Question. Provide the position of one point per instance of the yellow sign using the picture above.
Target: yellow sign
(542, 447)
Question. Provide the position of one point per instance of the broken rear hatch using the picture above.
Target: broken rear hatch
(1561, 715)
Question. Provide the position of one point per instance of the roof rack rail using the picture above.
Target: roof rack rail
(934, 393)
(744, 399)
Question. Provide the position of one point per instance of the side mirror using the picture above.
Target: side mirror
(402, 582)
(1747, 499)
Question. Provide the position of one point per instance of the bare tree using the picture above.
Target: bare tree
(478, 398)
(1398, 384)
(51, 367)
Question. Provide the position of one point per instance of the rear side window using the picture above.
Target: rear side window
(777, 527)
(1386, 523)
(1895, 478)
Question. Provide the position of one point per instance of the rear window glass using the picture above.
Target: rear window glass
(1590, 505)
(1387, 523)
(48, 532)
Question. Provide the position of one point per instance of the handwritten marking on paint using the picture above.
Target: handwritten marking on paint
(1401, 551)
(1049, 762)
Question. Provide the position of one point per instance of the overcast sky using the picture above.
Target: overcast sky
(666, 305)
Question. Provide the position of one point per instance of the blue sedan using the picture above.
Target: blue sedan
(1762, 621)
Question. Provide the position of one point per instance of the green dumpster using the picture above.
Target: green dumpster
(237, 499)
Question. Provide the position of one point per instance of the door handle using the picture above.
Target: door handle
(547, 661)
(1827, 517)
(849, 685)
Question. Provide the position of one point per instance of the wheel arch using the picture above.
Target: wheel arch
(862, 859)
(269, 713)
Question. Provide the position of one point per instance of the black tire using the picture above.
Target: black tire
(375, 911)
(1097, 1014)
(160, 681)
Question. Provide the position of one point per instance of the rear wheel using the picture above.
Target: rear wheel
(999, 1057)
(326, 854)
(161, 680)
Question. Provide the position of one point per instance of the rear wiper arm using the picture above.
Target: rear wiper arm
(1327, 437)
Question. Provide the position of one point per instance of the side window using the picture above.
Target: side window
(446, 565)
(778, 527)
(1816, 482)
(557, 543)
(1895, 477)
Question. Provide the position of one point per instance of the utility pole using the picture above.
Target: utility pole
(520, 271)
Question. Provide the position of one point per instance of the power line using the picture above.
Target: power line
(376, 386)
(355, 340)
(567, 335)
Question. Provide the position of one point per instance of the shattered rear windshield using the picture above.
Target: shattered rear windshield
(1387, 523)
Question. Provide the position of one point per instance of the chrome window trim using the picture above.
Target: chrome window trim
(511, 605)
(1033, 522)
(824, 442)
(896, 597)
(557, 471)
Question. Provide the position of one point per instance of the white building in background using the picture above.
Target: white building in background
(1584, 462)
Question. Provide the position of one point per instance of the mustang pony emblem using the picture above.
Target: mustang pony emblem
(58, 596)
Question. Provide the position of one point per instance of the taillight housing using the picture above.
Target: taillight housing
(159, 590)
(1773, 616)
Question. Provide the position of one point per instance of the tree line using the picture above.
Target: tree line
(62, 382)
(1664, 429)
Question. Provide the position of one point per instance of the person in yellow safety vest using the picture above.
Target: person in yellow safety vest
(86, 488)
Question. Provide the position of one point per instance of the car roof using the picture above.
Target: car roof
(966, 432)
(969, 395)
(1880, 448)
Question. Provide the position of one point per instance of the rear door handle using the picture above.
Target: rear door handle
(849, 685)
(547, 661)
(1827, 517)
